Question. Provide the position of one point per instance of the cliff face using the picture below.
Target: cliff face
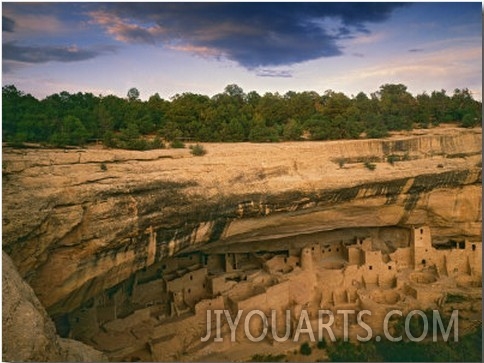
(74, 229)
(28, 332)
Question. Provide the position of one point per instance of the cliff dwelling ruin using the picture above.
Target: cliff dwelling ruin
(160, 313)
(129, 258)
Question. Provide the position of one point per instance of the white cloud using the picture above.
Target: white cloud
(125, 31)
(450, 68)
(365, 39)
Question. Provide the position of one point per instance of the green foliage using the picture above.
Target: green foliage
(322, 344)
(70, 131)
(197, 150)
(341, 162)
(109, 139)
(341, 351)
(64, 118)
(292, 130)
(454, 298)
(157, 143)
(456, 156)
(467, 349)
(133, 94)
(234, 131)
(137, 144)
(392, 159)
(177, 144)
(260, 132)
(268, 358)
(130, 133)
(305, 349)
(370, 166)
(470, 120)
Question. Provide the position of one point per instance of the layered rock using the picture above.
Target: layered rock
(28, 332)
(77, 222)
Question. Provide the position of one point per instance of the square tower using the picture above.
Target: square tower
(421, 245)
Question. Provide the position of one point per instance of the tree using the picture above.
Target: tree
(157, 108)
(305, 349)
(301, 106)
(463, 105)
(130, 133)
(292, 130)
(231, 116)
(345, 351)
(71, 131)
(17, 112)
(375, 127)
(272, 108)
(335, 104)
(396, 106)
(187, 112)
(470, 120)
(260, 132)
(234, 131)
(323, 127)
(235, 91)
(133, 94)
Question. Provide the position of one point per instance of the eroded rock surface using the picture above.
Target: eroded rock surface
(74, 229)
(28, 332)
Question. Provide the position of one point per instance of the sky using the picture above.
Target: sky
(172, 48)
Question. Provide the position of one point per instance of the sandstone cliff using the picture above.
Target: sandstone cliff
(28, 332)
(74, 227)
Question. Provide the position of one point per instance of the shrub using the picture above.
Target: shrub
(392, 158)
(341, 162)
(110, 140)
(469, 120)
(267, 358)
(370, 166)
(103, 167)
(342, 351)
(305, 349)
(137, 144)
(177, 144)
(321, 344)
(157, 143)
(197, 150)
(376, 133)
(455, 298)
(457, 155)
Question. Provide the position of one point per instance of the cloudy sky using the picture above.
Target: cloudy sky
(170, 48)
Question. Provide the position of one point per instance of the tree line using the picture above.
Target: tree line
(231, 116)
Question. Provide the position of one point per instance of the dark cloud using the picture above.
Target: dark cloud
(7, 67)
(8, 24)
(416, 50)
(252, 34)
(43, 54)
